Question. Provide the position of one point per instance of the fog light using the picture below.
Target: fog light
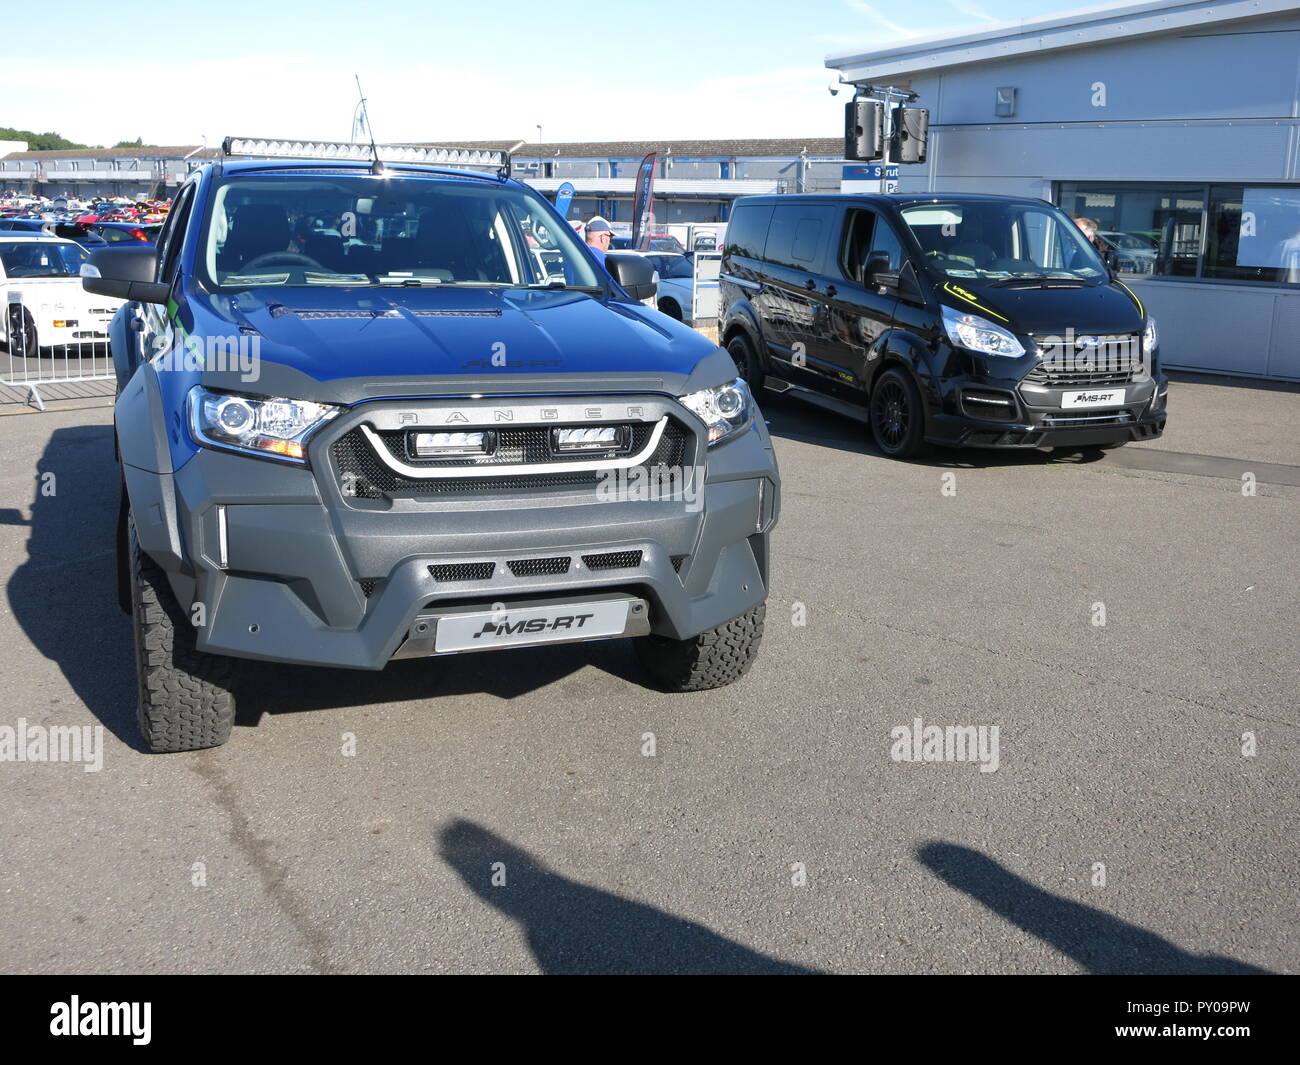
(449, 445)
(596, 438)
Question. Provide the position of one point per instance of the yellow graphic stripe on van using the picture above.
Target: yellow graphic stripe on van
(1141, 310)
(962, 294)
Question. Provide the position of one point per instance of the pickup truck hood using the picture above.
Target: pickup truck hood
(409, 333)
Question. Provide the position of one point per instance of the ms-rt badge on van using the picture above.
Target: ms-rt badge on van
(1110, 397)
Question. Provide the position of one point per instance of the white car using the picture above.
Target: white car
(44, 303)
(674, 296)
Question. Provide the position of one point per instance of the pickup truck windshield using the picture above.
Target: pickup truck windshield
(996, 242)
(394, 230)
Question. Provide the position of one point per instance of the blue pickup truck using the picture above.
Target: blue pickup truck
(381, 404)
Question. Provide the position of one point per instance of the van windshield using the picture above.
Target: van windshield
(1000, 242)
(391, 230)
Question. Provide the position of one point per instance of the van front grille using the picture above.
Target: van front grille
(1115, 360)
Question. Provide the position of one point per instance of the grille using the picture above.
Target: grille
(361, 474)
(463, 571)
(613, 560)
(515, 447)
(1116, 362)
(677, 563)
(367, 588)
(1083, 418)
(539, 567)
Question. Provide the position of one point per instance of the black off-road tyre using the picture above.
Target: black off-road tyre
(713, 659)
(747, 367)
(186, 700)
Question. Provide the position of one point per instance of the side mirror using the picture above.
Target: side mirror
(634, 273)
(877, 271)
(125, 274)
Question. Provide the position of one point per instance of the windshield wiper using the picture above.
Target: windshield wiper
(1045, 281)
(564, 286)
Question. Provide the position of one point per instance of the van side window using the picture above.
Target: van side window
(798, 235)
(747, 230)
(858, 226)
(884, 239)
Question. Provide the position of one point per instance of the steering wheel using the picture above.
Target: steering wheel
(281, 258)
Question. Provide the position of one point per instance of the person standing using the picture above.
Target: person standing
(600, 235)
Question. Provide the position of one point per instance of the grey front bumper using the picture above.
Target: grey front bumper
(288, 571)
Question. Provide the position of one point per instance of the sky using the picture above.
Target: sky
(459, 71)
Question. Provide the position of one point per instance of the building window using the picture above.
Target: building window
(1241, 233)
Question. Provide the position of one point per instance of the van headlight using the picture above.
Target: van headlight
(262, 425)
(974, 333)
(725, 409)
(1150, 338)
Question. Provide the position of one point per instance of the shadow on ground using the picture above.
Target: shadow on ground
(271, 688)
(791, 419)
(573, 928)
(64, 594)
(1101, 943)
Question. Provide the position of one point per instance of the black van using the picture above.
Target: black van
(962, 320)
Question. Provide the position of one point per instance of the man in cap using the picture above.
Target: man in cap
(600, 234)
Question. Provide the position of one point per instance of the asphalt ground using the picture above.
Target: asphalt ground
(1124, 829)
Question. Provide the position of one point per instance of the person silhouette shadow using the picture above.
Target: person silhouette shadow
(574, 928)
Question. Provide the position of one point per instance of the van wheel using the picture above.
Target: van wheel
(670, 308)
(185, 702)
(713, 659)
(897, 416)
(742, 354)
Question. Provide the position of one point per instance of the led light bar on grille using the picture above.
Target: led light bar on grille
(448, 445)
(595, 438)
(475, 158)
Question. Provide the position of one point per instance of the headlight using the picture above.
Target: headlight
(726, 409)
(1149, 337)
(263, 425)
(979, 334)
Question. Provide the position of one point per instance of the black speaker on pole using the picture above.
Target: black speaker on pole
(911, 130)
(863, 124)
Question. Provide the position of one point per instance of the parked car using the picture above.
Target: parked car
(375, 484)
(82, 234)
(666, 242)
(940, 319)
(1129, 253)
(51, 307)
(673, 296)
(117, 232)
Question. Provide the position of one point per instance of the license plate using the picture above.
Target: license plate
(514, 628)
(1097, 397)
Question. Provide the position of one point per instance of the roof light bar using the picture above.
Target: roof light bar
(474, 158)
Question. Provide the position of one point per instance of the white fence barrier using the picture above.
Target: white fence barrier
(49, 344)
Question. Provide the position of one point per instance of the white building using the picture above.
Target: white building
(1174, 124)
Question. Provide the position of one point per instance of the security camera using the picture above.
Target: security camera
(834, 88)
